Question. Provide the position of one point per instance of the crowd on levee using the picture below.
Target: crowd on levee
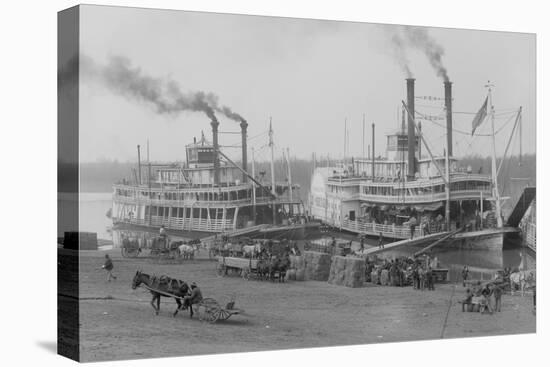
(402, 271)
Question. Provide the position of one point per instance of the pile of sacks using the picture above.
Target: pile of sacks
(347, 271)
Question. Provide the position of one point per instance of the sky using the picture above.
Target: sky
(310, 77)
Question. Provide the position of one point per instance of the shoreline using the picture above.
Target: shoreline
(290, 315)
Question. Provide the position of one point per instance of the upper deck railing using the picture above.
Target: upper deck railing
(191, 203)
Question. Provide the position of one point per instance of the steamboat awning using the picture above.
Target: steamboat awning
(428, 207)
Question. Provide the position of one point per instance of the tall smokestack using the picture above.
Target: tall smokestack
(449, 111)
(215, 125)
(244, 125)
(411, 135)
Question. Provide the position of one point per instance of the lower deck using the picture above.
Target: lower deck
(203, 219)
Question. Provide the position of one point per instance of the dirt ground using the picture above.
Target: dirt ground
(277, 316)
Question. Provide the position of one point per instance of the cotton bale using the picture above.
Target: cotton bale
(354, 272)
(385, 277)
(317, 265)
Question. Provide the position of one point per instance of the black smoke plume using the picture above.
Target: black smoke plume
(165, 96)
(405, 37)
(420, 39)
(400, 54)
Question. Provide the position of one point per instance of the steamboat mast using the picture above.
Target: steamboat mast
(496, 194)
(273, 191)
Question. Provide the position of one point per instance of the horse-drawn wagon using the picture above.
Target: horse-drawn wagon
(130, 247)
(163, 247)
(208, 309)
(237, 265)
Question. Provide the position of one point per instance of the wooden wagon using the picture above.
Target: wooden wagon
(130, 248)
(163, 247)
(244, 267)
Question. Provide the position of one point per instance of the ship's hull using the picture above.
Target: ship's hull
(488, 239)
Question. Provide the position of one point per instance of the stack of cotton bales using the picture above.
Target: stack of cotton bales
(374, 278)
(347, 271)
(297, 268)
(385, 277)
(317, 265)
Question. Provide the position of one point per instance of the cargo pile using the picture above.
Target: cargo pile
(347, 271)
(311, 265)
(317, 265)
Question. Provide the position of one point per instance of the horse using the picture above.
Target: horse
(164, 284)
(252, 251)
(186, 251)
(263, 269)
(282, 267)
(522, 280)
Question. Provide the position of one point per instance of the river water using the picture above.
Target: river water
(482, 263)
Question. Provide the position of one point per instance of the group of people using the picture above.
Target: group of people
(423, 277)
(483, 298)
(402, 272)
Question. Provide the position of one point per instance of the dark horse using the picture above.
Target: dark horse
(278, 267)
(164, 284)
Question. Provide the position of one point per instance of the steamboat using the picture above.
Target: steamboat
(406, 191)
(208, 193)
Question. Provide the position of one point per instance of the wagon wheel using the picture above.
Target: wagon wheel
(221, 270)
(209, 310)
(224, 314)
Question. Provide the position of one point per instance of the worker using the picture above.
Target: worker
(467, 302)
(412, 225)
(193, 298)
(497, 292)
(108, 266)
(465, 273)
(430, 278)
(162, 232)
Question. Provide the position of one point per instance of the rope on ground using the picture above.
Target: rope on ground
(448, 311)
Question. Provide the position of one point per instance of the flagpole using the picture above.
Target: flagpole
(496, 194)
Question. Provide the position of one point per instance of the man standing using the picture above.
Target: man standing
(412, 225)
(497, 292)
(430, 278)
(162, 232)
(381, 241)
(465, 273)
(109, 267)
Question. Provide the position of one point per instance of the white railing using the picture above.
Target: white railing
(196, 203)
(195, 224)
(420, 198)
(531, 235)
(387, 230)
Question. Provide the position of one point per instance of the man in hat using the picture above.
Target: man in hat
(193, 298)
(108, 265)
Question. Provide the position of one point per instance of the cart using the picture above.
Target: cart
(211, 311)
(130, 248)
(163, 247)
(236, 265)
